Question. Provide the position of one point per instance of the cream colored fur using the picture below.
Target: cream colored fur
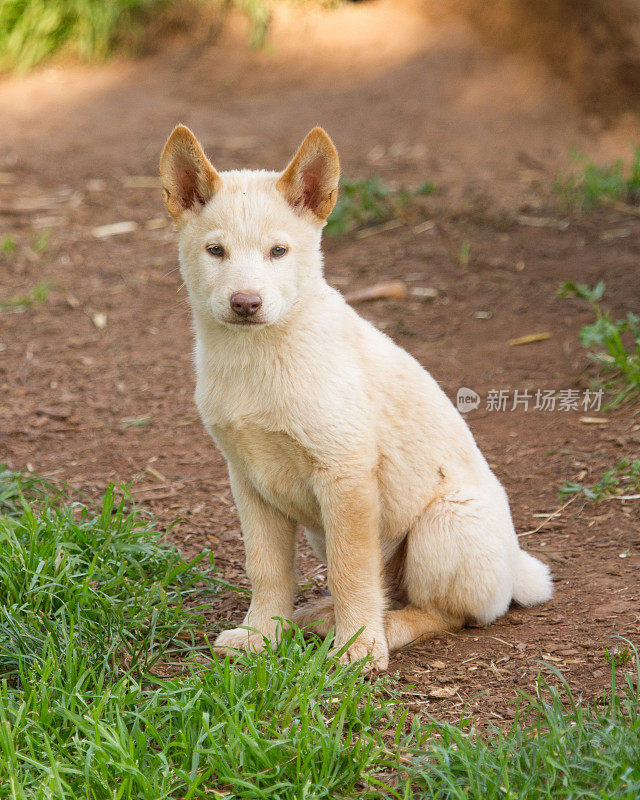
(327, 424)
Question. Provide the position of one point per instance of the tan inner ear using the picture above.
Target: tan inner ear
(189, 180)
(310, 182)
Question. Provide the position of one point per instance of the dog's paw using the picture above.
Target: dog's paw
(229, 642)
(365, 646)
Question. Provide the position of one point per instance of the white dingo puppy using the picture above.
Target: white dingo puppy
(327, 424)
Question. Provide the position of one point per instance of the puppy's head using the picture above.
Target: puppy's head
(249, 240)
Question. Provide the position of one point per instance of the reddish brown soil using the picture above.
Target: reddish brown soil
(421, 104)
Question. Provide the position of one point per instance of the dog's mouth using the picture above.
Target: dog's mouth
(240, 322)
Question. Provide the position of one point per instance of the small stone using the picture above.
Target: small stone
(442, 692)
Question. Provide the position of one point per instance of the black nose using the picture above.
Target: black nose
(245, 304)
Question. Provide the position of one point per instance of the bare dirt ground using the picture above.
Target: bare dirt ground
(410, 101)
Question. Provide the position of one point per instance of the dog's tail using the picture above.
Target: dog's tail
(532, 584)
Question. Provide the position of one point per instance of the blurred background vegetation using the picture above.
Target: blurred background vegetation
(593, 43)
(32, 31)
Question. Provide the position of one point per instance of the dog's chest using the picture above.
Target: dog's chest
(277, 466)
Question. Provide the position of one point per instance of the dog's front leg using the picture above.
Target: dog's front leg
(350, 517)
(269, 540)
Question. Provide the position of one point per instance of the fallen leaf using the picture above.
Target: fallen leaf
(158, 475)
(496, 671)
(114, 229)
(155, 223)
(424, 292)
(531, 337)
(386, 226)
(395, 290)
(442, 692)
(542, 222)
(26, 204)
(620, 233)
(437, 665)
(423, 227)
(135, 422)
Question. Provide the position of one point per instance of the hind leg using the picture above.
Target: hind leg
(402, 626)
(320, 615)
(459, 566)
(406, 625)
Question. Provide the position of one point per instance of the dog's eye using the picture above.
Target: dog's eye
(216, 250)
(279, 250)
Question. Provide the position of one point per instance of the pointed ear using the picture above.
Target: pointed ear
(188, 179)
(310, 182)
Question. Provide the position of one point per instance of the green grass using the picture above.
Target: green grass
(106, 579)
(593, 185)
(557, 748)
(93, 615)
(41, 240)
(259, 15)
(370, 201)
(8, 246)
(624, 478)
(14, 486)
(109, 690)
(613, 345)
(136, 422)
(465, 252)
(33, 30)
(360, 203)
(35, 296)
(426, 189)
